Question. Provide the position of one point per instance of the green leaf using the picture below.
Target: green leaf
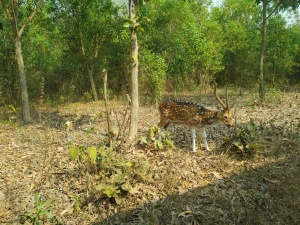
(128, 20)
(144, 140)
(130, 163)
(140, 28)
(100, 187)
(158, 145)
(37, 199)
(163, 135)
(238, 144)
(111, 191)
(48, 214)
(102, 152)
(85, 157)
(102, 149)
(74, 151)
(126, 187)
(146, 19)
(12, 107)
(152, 131)
(169, 143)
(127, 25)
(92, 154)
(251, 127)
(252, 146)
(144, 168)
(48, 202)
(118, 178)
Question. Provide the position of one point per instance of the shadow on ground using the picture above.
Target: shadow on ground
(266, 195)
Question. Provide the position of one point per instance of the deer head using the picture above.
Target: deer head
(224, 115)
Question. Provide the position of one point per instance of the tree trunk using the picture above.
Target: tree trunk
(23, 83)
(134, 77)
(89, 66)
(262, 92)
(11, 9)
(93, 86)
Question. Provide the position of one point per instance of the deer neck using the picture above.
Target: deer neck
(209, 117)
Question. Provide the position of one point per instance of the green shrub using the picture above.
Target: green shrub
(243, 143)
(41, 209)
(152, 139)
(116, 175)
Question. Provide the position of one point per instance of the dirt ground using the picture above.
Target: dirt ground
(226, 185)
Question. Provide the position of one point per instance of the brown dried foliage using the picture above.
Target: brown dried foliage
(207, 187)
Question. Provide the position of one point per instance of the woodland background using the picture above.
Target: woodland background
(183, 45)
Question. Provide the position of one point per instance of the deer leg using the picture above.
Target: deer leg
(204, 139)
(194, 139)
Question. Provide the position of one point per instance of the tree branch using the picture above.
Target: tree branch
(39, 5)
(83, 53)
(274, 9)
(14, 15)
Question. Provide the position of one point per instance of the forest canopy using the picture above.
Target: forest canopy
(183, 45)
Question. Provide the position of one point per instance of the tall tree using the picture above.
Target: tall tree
(134, 71)
(240, 40)
(88, 65)
(281, 50)
(91, 27)
(11, 8)
(183, 34)
(269, 8)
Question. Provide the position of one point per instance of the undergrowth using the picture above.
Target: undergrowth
(243, 143)
(151, 140)
(42, 211)
(116, 175)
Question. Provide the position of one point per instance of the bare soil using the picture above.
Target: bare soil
(223, 186)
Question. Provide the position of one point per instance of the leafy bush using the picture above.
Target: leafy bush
(115, 174)
(41, 209)
(152, 139)
(243, 142)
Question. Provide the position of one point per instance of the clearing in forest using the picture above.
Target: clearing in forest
(250, 176)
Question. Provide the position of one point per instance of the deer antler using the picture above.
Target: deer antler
(225, 105)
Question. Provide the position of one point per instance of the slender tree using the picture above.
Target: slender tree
(134, 71)
(262, 50)
(90, 66)
(12, 11)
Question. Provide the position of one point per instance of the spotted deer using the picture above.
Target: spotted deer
(193, 115)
